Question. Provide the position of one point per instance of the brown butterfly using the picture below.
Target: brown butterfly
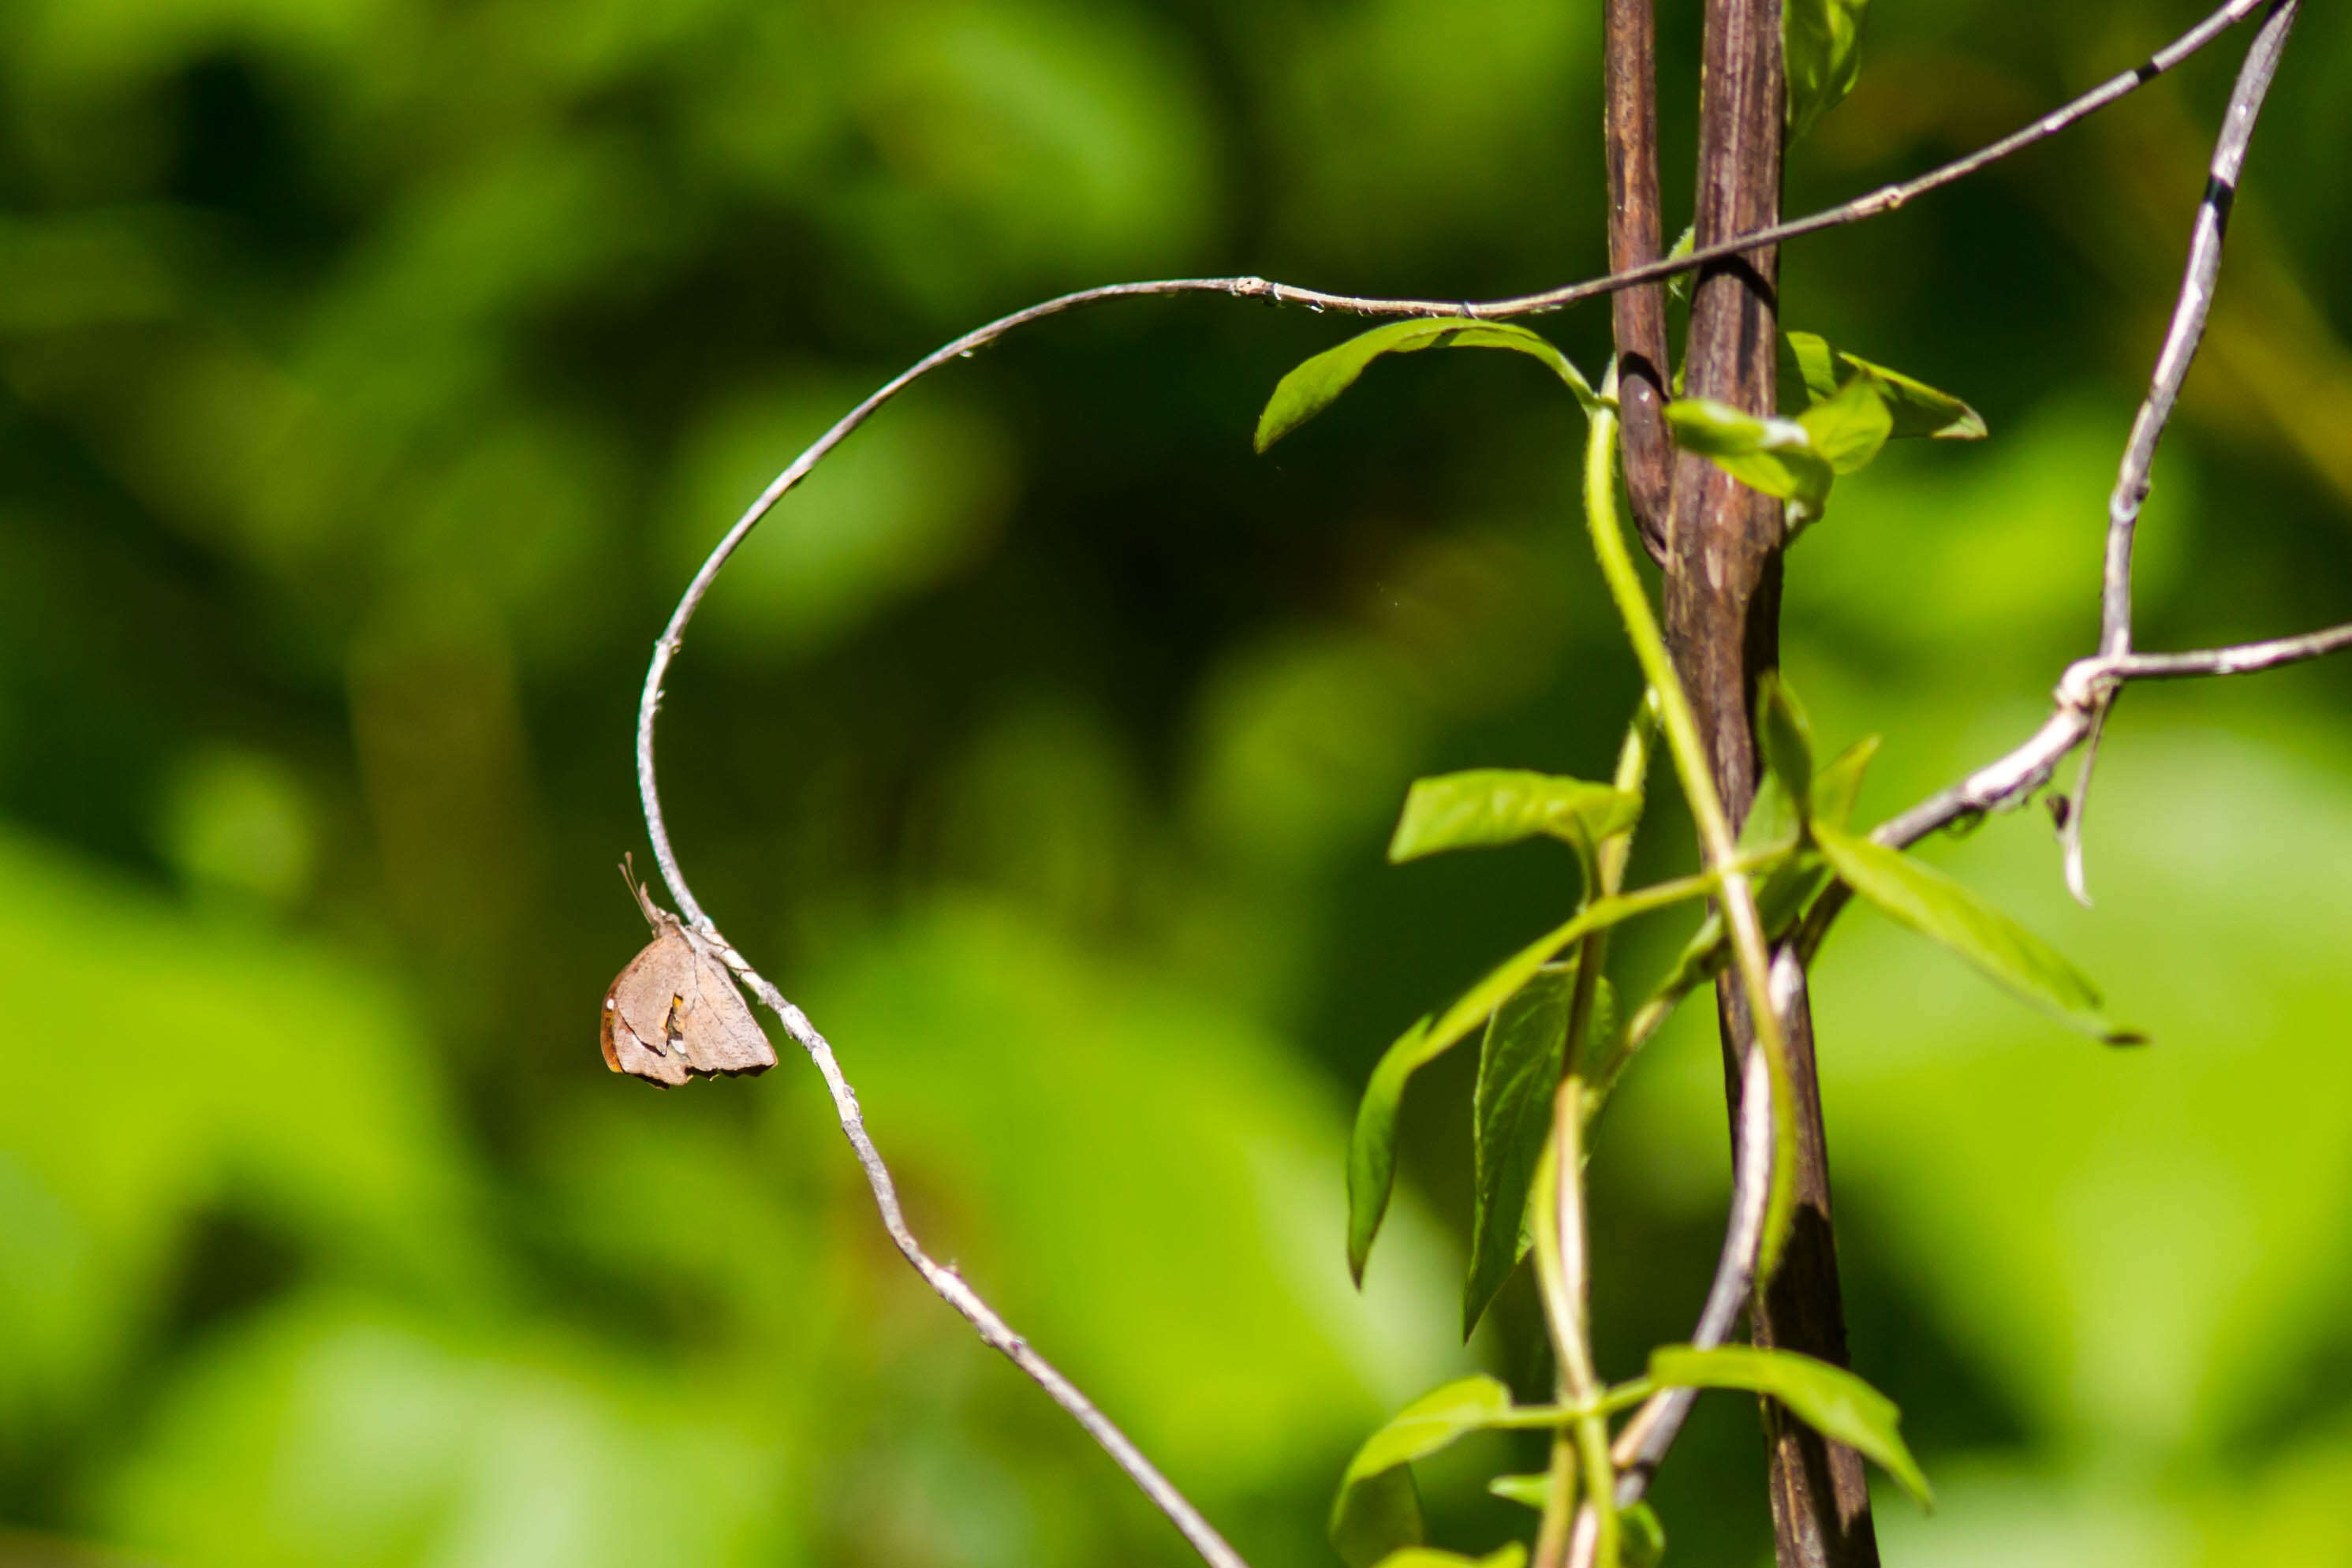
(674, 1011)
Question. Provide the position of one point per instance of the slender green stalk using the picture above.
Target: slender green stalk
(1560, 1503)
(1606, 873)
(1735, 894)
(1560, 1270)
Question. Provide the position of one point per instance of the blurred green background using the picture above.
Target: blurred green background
(373, 372)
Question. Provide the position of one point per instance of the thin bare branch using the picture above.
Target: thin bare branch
(2189, 315)
(1641, 1446)
(2087, 685)
(2084, 691)
(2240, 659)
(2195, 303)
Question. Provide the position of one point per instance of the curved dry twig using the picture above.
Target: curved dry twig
(2172, 362)
(1753, 1178)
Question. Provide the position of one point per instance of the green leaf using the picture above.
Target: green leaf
(1916, 408)
(1489, 806)
(1641, 1539)
(1773, 822)
(1679, 285)
(1372, 1518)
(1518, 1072)
(1774, 454)
(1315, 384)
(1530, 1491)
(1836, 787)
(1815, 363)
(1821, 44)
(1919, 410)
(1372, 1150)
(1432, 1422)
(1933, 904)
(1850, 426)
(1514, 1556)
(1368, 1517)
(1786, 740)
(1830, 1399)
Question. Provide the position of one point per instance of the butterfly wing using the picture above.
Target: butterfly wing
(637, 1029)
(716, 1028)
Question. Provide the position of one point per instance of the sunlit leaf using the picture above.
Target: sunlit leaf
(1489, 806)
(1916, 408)
(1679, 285)
(1850, 426)
(1815, 363)
(1930, 902)
(1514, 1556)
(1315, 384)
(1531, 1492)
(1770, 454)
(1821, 44)
(1519, 1070)
(1920, 410)
(1830, 1399)
(1376, 1511)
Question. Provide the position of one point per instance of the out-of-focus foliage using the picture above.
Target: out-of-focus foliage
(373, 372)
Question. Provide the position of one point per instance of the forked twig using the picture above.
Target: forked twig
(2180, 340)
(1644, 1441)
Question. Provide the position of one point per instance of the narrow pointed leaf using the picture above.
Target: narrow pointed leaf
(1372, 1150)
(1815, 363)
(1518, 1072)
(1679, 285)
(1821, 47)
(1838, 785)
(1850, 426)
(1773, 822)
(1930, 902)
(1916, 408)
(1528, 1492)
(1315, 384)
(1830, 1399)
(1488, 807)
